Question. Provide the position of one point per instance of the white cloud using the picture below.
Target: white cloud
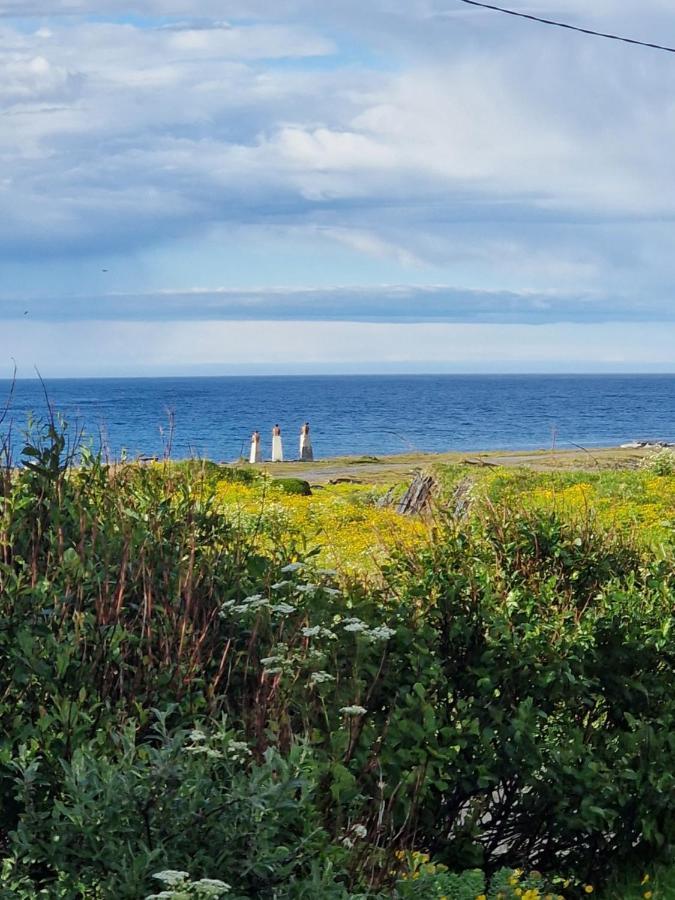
(422, 134)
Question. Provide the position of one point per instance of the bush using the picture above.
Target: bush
(503, 697)
(187, 800)
(293, 486)
(536, 700)
(660, 463)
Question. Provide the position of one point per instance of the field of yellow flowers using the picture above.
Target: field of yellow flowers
(634, 502)
(352, 531)
(342, 522)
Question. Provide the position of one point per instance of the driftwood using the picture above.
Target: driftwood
(461, 498)
(386, 499)
(418, 496)
(480, 462)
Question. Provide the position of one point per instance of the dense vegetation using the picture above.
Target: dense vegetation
(190, 710)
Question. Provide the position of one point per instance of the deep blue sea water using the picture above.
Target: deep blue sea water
(356, 414)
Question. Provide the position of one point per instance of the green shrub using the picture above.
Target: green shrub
(503, 697)
(187, 800)
(660, 463)
(293, 486)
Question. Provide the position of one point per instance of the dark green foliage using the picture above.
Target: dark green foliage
(544, 695)
(293, 486)
(505, 697)
(181, 800)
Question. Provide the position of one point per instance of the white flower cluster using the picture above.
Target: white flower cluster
(381, 633)
(378, 633)
(248, 604)
(210, 887)
(355, 625)
(180, 886)
(272, 665)
(253, 604)
(321, 677)
(200, 744)
(353, 711)
(283, 609)
(312, 631)
(308, 588)
(172, 877)
(319, 631)
(238, 751)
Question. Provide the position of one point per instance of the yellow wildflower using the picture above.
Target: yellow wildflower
(588, 888)
(480, 897)
(647, 895)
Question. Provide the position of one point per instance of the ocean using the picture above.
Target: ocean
(352, 415)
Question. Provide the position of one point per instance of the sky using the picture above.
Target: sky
(214, 187)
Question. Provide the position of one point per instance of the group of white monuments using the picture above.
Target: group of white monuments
(306, 452)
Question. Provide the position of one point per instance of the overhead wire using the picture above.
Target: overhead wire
(566, 25)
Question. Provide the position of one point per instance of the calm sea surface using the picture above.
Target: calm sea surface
(213, 417)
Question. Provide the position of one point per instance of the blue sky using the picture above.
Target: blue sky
(409, 185)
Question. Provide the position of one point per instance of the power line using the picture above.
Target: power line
(602, 34)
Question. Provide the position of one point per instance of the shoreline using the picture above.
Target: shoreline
(377, 469)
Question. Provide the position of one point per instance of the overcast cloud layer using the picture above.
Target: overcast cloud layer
(401, 161)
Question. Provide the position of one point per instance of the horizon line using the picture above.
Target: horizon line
(403, 374)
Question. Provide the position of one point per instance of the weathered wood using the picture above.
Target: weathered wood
(461, 498)
(418, 496)
(480, 462)
(386, 499)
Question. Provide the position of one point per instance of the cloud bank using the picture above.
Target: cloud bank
(385, 303)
